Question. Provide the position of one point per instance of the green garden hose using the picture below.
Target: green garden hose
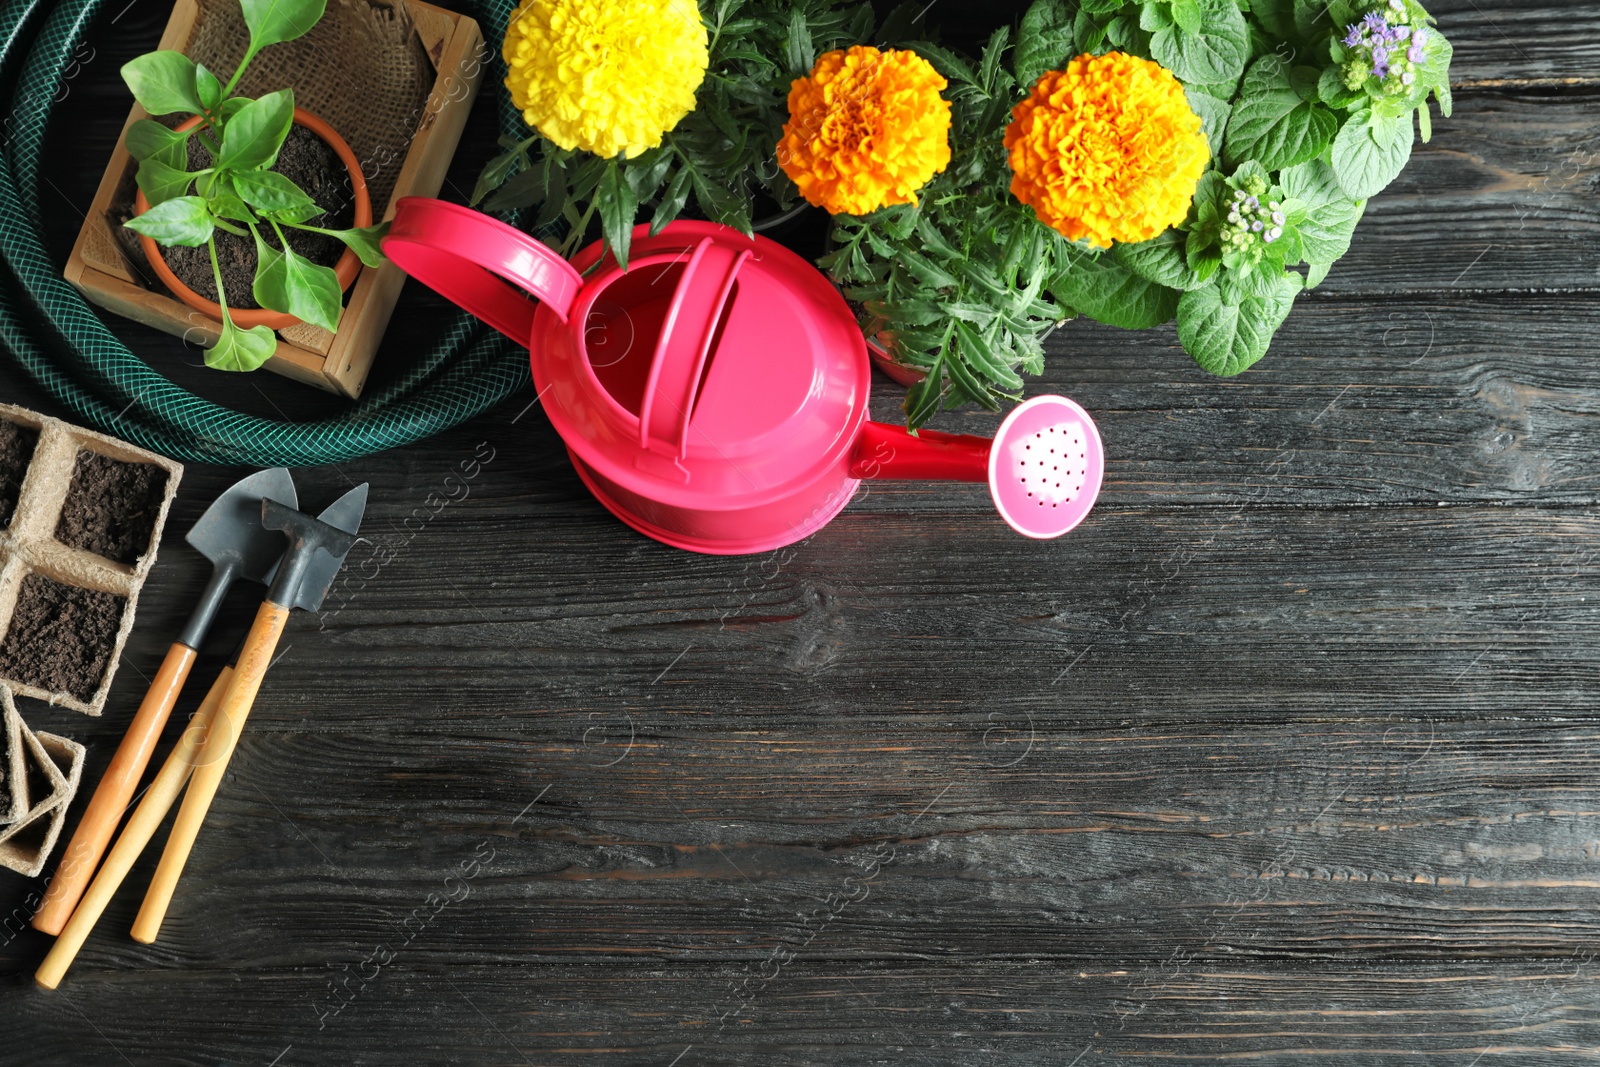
(60, 341)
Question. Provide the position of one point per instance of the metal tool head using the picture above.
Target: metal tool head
(230, 534)
(317, 547)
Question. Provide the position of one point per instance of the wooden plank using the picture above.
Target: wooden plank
(700, 839)
(1255, 614)
(652, 1015)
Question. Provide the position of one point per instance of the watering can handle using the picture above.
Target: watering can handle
(480, 264)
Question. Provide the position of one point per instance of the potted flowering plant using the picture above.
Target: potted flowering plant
(1168, 163)
(639, 108)
(222, 180)
(1132, 161)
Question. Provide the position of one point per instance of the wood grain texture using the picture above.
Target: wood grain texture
(1286, 757)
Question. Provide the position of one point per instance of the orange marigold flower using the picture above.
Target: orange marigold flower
(1107, 150)
(866, 129)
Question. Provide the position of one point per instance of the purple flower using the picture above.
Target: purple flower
(1272, 234)
(1397, 5)
(1375, 22)
(1400, 34)
(1257, 226)
(1380, 71)
(1415, 54)
(1251, 204)
(1380, 54)
(1277, 217)
(1352, 38)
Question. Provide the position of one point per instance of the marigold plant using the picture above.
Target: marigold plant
(606, 76)
(866, 129)
(1107, 149)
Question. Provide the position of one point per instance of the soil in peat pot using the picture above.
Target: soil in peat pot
(111, 507)
(16, 450)
(306, 160)
(61, 636)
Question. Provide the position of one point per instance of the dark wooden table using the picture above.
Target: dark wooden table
(1289, 755)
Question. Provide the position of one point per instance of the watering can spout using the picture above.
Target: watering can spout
(1044, 465)
(885, 451)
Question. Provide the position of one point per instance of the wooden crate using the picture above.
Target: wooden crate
(103, 271)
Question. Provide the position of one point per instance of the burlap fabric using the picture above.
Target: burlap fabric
(362, 69)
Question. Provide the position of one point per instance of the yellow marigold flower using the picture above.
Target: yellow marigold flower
(606, 76)
(866, 129)
(1107, 150)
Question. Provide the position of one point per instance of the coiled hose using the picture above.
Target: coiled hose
(52, 332)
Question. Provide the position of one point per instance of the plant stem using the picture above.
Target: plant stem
(283, 242)
(223, 224)
(233, 82)
(216, 272)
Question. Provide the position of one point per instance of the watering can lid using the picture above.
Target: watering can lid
(746, 373)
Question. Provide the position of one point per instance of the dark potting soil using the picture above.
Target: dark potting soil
(111, 507)
(16, 450)
(305, 160)
(60, 636)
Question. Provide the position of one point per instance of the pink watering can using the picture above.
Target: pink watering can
(714, 395)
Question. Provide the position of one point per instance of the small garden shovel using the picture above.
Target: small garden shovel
(301, 582)
(231, 536)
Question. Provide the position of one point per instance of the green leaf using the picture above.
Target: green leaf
(984, 359)
(207, 87)
(1362, 167)
(1213, 114)
(163, 82)
(367, 242)
(1272, 124)
(498, 170)
(1187, 14)
(1158, 16)
(271, 193)
(1330, 216)
(1217, 53)
(241, 350)
(288, 282)
(161, 183)
(180, 221)
(527, 188)
(1332, 90)
(225, 204)
(672, 202)
(148, 139)
(1275, 16)
(720, 203)
(618, 204)
(946, 62)
(1161, 260)
(1227, 338)
(1044, 40)
(251, 139)
(799, 51)
(1102, 288)
(275, 21)
(922, 399)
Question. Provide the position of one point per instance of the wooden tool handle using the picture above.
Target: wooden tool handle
(210, 764)
(158, 800)
(111, 798)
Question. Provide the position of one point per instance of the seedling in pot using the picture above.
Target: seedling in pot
(239, 192)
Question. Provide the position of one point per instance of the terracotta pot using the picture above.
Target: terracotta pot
(347, 268)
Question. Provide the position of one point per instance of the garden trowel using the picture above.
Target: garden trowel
(301, 581)
(231, 536)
